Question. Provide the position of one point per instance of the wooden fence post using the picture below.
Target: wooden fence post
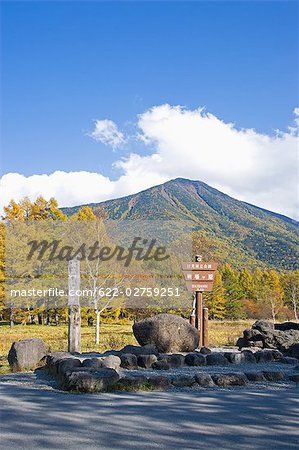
(74, 312)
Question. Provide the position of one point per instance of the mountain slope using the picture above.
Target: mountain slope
(240, 233)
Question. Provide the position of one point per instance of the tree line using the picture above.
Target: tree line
(237, 294)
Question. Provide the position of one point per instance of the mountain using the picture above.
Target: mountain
(227, 229)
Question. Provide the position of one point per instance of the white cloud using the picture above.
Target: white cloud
(251, 166)
(106, 131)
(247, 165)
(69, 188)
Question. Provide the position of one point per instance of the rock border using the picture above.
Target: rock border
(111, 373)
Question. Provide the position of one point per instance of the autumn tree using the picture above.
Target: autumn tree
(40, 209)
(246, 283)
(216, 300)
(84, 213)
(272, 293)
(290, 283)
(232, 293)
(13, 211)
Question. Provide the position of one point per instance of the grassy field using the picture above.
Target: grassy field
(113, 336)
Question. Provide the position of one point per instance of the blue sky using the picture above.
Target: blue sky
(67, 64)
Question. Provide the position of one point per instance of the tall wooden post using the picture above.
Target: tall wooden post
(199, 316)
(205, 327)
(74, 312)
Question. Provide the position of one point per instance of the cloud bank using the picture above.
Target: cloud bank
(195, 144)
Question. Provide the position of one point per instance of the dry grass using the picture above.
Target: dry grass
(226, 332)
(113, 336)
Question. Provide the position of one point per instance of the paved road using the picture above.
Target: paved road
(35, 417)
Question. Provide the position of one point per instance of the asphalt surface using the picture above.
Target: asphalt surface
(35, 415)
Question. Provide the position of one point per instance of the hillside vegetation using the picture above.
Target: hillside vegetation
(227, 229)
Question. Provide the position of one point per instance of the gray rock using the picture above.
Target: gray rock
(264, 356)
(111, 362)
(146, 361)
(205, 350)
(248, 356)
(168, 332)
(27, 354)
(132, 383)
(159, 382)
(230, 379)
(67, 365)
(183, 380)
(195, 359)
(255, 376)
(281, 340)
(92, 363)
(204, 379)
(245, 356)
(216, 359)
(242, 342)
(264, 334)
(294, 377)
(84, 381)
(161, 365)
(175, 360)
(139, 350)
(234, 357)
(263, 326)
(272, 375)
(129, 361)
(252, 334)
(53, 360)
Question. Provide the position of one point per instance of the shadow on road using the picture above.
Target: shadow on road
(243, 419)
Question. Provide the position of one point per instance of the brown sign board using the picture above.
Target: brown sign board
(201, 286)
(199, 266)
(203, 275)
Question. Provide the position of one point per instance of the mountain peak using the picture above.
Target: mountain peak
(243, 232)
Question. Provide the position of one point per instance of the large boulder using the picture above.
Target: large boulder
(26, 354)
(265, 334)
(282, 340)
(169, 333)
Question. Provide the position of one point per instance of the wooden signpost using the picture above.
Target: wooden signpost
(199, 277)
(74, 319)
